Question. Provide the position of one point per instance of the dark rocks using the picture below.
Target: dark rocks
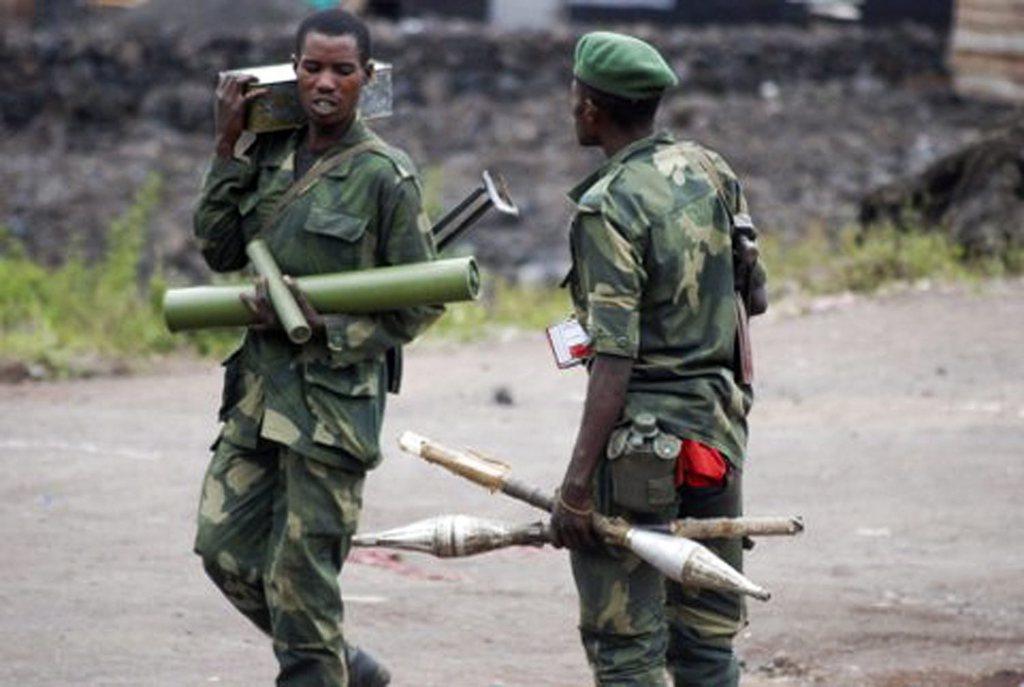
(810, 119)
(101, 73)
(975, 195)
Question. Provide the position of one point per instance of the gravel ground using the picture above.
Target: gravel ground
(894, 425)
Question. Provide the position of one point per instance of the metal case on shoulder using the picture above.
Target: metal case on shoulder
(280, 109)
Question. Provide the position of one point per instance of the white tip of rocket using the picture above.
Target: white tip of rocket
(692, 565)
(411, 442)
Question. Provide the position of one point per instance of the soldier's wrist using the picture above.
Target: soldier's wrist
(224, 147)
(575, 494)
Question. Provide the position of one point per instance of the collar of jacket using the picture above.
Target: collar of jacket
(284, 158)
(637, 146)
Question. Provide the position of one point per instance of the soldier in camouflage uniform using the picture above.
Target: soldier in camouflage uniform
(282, 495)
(653, 284)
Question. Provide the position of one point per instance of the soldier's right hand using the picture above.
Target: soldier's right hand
(261, 307)
(572, 526)
(232, 101)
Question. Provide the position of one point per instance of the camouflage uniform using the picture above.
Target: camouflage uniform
(282, 496)
(652, 280)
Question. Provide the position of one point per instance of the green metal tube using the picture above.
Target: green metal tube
(289, 314)
(366, 291)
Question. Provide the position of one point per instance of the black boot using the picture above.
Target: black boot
(363, 669)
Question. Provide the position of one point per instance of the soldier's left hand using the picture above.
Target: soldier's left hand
(315, 319)
(261, 308)
(572, 523)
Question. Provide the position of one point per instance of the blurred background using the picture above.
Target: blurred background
(899, 115)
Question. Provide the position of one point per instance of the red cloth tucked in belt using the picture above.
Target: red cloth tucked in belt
(700, 466)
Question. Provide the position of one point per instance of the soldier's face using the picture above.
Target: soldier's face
(330, 78)
(582, 116)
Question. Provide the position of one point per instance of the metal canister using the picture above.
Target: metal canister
(643, 464)
(280, 109)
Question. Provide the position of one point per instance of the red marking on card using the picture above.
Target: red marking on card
(580, 351)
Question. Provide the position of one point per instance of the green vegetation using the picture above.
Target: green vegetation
(65, 318)
(852, 261)
(504, 306)
(55, 316)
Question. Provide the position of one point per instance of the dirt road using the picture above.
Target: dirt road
(895, 426)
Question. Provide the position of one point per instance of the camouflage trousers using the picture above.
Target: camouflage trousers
(635, 625)
(274, 530)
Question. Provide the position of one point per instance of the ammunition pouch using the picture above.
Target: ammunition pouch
(643, 472)
(748, 274)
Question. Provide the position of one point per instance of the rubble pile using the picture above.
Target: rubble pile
(810, 118)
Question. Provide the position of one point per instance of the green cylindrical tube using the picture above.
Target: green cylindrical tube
(288, 311)
(366, 291)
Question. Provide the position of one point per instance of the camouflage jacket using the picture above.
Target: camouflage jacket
(324, 399)
(652, 280)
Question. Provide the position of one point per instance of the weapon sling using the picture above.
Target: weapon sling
(314, 174)
(744, 357)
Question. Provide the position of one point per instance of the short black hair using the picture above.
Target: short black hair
(336, 22)
(624, 112)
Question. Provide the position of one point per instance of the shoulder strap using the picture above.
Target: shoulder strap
(743, 355)
(708, 165)
(317, 172)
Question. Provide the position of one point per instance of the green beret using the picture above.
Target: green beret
(622, 65)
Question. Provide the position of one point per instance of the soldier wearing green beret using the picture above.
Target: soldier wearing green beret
(282, 496)
(662, 285)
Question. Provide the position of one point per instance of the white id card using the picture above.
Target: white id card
(569, 343)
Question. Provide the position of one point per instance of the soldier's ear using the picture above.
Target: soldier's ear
(368, 72)
(295, 63)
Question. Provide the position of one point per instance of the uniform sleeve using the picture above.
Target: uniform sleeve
(217, 223)
(405, 238)
(611, 278)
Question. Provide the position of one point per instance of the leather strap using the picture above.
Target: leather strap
(317, 172)
(743, 358)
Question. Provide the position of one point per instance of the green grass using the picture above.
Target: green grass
(55, 316)
(865, 262)
(58, 317)
(503, 306)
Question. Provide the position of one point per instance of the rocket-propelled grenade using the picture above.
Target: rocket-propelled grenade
(681, 560)
(288, 312)
(358, 292)
(456, 536)
(476, 467)
(497, 476)
(461, 536)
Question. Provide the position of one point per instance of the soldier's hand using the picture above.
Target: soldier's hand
(316, 320)
(232, 101)
(572, 523)
(261, 307)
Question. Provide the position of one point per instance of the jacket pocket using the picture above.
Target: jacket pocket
(360, 380)
(335, 223)
(347, 404)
